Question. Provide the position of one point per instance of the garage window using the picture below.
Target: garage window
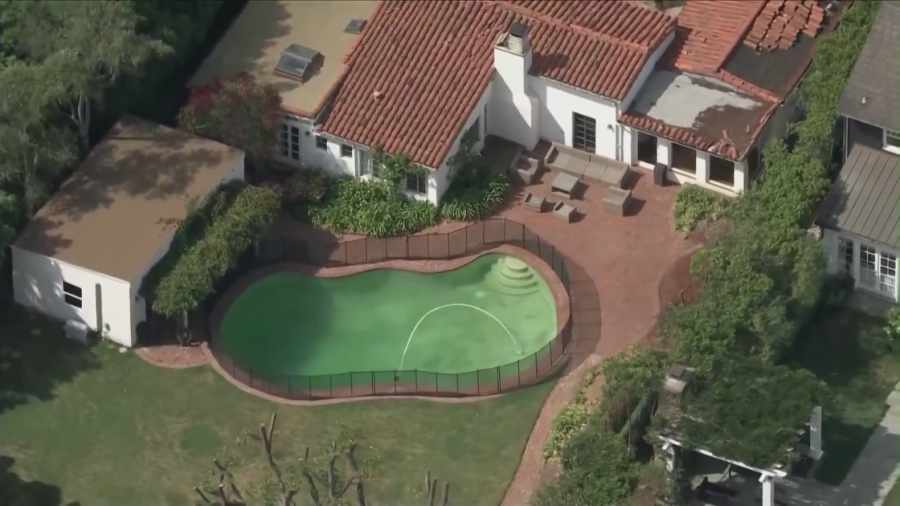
(72, 294)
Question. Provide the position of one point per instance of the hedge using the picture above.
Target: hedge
(374, 208)
(193, 277)
(476, 201)
(695, 205)
(763, 278)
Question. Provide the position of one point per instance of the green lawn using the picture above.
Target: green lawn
(104, 428)
(849, 351)
(893, 497)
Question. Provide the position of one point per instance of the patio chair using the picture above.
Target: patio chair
(617, 201)
(564, 211)
(534, 203)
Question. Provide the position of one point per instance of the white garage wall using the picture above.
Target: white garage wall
(38, 284)
(559, 102)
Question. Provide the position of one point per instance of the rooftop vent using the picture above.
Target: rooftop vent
(515, 40)
(677, 378)
(295, 61)
(355, 26)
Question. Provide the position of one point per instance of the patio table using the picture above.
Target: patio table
(563, 184)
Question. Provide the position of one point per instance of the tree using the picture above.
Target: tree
(236, 111)
(324, 487)
(33, 151)
(84, 47)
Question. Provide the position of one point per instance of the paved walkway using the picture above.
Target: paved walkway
(878, 466)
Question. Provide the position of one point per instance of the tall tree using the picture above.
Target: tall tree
(84, 48)
(32, 150)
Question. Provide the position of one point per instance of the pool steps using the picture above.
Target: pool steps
(511, 276)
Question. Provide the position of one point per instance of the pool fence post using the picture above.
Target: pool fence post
(289, 386)
(331, 383)
(436, 390)
(351, 384)
(416, 373)
(498, 379)
(372, 377)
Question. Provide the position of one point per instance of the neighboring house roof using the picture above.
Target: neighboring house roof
(876, 75)
(756, 50)
(430, 62)
(864, 200)
(110, 215)
(256, 39)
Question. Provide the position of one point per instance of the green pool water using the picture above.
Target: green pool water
(490, 312)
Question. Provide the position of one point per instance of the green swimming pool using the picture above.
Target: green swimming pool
(490, 312)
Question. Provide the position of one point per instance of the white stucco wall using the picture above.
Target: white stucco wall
(38, 284)
(328, 160)
(558, 104)
(514, 107)
(701, 175)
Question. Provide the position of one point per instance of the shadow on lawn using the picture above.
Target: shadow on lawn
(14, 491)
(35, 357)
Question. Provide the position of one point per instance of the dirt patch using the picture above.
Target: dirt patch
(172, 356)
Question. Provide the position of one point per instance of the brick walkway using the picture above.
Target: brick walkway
(625, 258)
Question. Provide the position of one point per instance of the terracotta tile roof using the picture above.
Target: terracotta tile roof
(781, 22)
(707, 33)
(615, 20)
(430, 62)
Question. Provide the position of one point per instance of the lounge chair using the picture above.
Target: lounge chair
(534, 203)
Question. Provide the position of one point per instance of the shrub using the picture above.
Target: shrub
(194, 274)
(305, 186)
(598, 469)
(374, 208)
(476, 200)
(567, 423)
(892, 328)
(695, 205)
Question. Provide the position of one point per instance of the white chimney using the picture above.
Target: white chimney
(513, 101)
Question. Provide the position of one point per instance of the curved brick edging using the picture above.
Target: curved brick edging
(195, 356)
(560, 295)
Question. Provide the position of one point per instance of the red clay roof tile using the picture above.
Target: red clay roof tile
(431, 62)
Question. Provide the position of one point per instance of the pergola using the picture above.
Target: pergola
(768, 476)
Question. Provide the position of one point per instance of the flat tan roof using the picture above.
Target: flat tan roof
(263, 30)
(110, 215)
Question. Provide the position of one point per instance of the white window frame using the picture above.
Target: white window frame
(289, 141)
(346, 146)
(890, 134)
(846, 257)
(421, 179)
(70, 297)
(879, 279)
(322, 142)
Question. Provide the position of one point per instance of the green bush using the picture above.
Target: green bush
(567, 423)
(374, 208)
(892, 328)
(194, 274)
(695, 205)
(598, 469)
(476, 199)
(307, 186)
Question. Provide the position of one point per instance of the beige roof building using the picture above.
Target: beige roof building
(114, 214)
(255, 42)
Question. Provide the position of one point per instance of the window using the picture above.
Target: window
(72, 294)
(868, 265)
(684, 158)
(289, 141)
(417, 183)
(845, 257)
(584, 133)
(721, 171)
(887, 278)
(346, 151)
(321, 142)
(475, 130)
(892, 141)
